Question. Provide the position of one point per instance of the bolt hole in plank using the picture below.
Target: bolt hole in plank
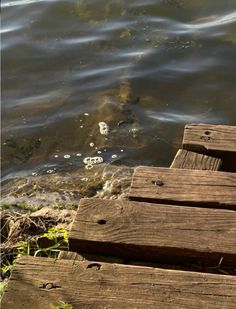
(102, 221)
(205, 138)
(158, 182)
(95, 266)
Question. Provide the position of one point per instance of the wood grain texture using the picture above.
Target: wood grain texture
(207, 137)
(152, 232)
(182, 186)
(40, 282)
(191, 160)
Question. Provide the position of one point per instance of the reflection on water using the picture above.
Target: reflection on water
(143, 67)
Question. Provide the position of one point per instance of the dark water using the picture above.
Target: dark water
(144, 67)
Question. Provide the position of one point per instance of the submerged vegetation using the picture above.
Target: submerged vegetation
(23, 150)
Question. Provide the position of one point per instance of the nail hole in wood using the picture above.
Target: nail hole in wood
(95, 266)
(207, 132)
(158, 182)
(205, 138)
(102, 221)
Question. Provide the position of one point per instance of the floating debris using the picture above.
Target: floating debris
(114, 156)
(86, 114)
(104, 128)
(79, 155)
(99, 152)
(56, 156)
(92, 160)
(134, 132)
(50, 171)
(34, 174)
(67, 156)
(81, 127)
(88, 166)
(91, 144)
(122, 150)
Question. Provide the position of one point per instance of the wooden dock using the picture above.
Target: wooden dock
(172, 244)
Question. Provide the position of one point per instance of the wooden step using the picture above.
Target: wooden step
(182, 186)
(191, 160)
(216, 140)
(207, 137)
(152, 232)
(40, 283)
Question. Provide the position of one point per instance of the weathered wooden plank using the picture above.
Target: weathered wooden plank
(191, 160)
(208, 137)
(182, 186)
(153, 232)
(41, 282)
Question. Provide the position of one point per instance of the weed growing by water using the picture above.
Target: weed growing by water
(62, 306)
(47, 245)
(3, 286)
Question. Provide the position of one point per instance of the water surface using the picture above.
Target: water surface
(144, 67)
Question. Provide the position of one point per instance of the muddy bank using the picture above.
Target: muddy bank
(31, 206)
(64, 190)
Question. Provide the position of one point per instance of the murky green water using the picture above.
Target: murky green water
(146, 68)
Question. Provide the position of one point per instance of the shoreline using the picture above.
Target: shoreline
(43, 207)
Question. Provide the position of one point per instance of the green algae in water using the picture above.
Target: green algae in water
(23, 149)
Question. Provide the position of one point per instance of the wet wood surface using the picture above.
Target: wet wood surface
(207, 137)
(183, 186)
(191, 160)
(84, 284)
(152, 232)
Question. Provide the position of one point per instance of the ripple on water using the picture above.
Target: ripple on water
(60, 57)
(21, 2)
